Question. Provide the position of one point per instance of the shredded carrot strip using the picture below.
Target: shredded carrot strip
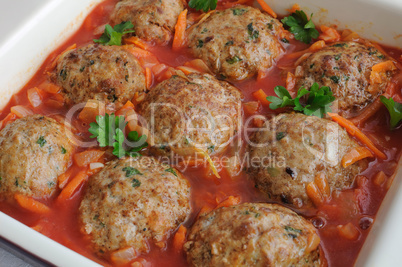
(211, 163)
(290, 81)
(180, 31)
(72, 186)
(329, 34)
(313, 192)
(85, 158)
(148, 77)
(261, 96)
(267, 8)
(294, 8)
(354, 131)
(31, 204)
(230, 201)
(368, 112)
(63, 178)
(204, 210)
(138, 52)
(313, 48)
(354, 155)
(179, 238)
(137, 42)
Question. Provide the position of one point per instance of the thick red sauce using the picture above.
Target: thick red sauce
(62, 223)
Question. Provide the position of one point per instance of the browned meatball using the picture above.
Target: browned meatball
(237, 42)
(345, 67)
(34, 151)
(110, 74)
(153, 20)
(291, 149)
(253, 235)
(133, 201)
(192, 112)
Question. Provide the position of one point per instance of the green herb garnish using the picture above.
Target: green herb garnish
(204, 5)
(171, 170)
(113, 36)
(394, 109)
(318, 102)
(135, 183)
(302, 28)
(233, 60)
(41, 141)
(130, 171)
(108, 130)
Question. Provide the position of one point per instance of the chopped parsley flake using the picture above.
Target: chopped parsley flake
(171, 170)
(41, 141)
(135, 183)
(233, 60)
(130, 171)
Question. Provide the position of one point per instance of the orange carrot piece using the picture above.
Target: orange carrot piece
(179, 238)
(85, 158)
(230, 201)
(348, 231)
(179, 38)
(267, 8)
(380, 178)
(148, 77)
(290, 81)
(137, 42)
(251, 107)
(384, 66)
(261, 96)
(258, 122)
(329, 34)
(63, 178)
(322, 183)
(49, 87)
(138, 52)
(204, 210)
(313, 192)
(368, 112)
(186, 70)
(354, 155)
(92, 109)
(313, 241)
(354, 131)
(72, 186)
(294, 8)
(31, 204)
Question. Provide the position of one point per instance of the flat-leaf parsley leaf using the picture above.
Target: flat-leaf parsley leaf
(204, 5)
(302, 28)
(113, 36)
(318, 101)
(108, 130)
(394, 109)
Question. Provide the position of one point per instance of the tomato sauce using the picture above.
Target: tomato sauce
(357, 206)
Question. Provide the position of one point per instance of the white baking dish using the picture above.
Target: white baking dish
(25, 45)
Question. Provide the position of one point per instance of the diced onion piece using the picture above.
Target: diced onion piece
(251, 107)
(35, 97)
(92, 109)
(211, 163)
(187, 70)
(198, 64)
(380, 178)
(132, 120)
(312, 242)
(21, 111)
(89, 156)
(123, 256)
(234, 166)
(96, 165)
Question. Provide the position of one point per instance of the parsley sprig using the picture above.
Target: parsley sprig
(113, 36)
(302, 28)
(318, 101)
(108, 130)
(204, 5)
(394, 109)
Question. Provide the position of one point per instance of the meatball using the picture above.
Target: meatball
(345, 67)
(189, 113)
(133, 201)
(153, 20)
(110, 74)
(34, 151)
(237, 42)
(253, 235)
(289, 151)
